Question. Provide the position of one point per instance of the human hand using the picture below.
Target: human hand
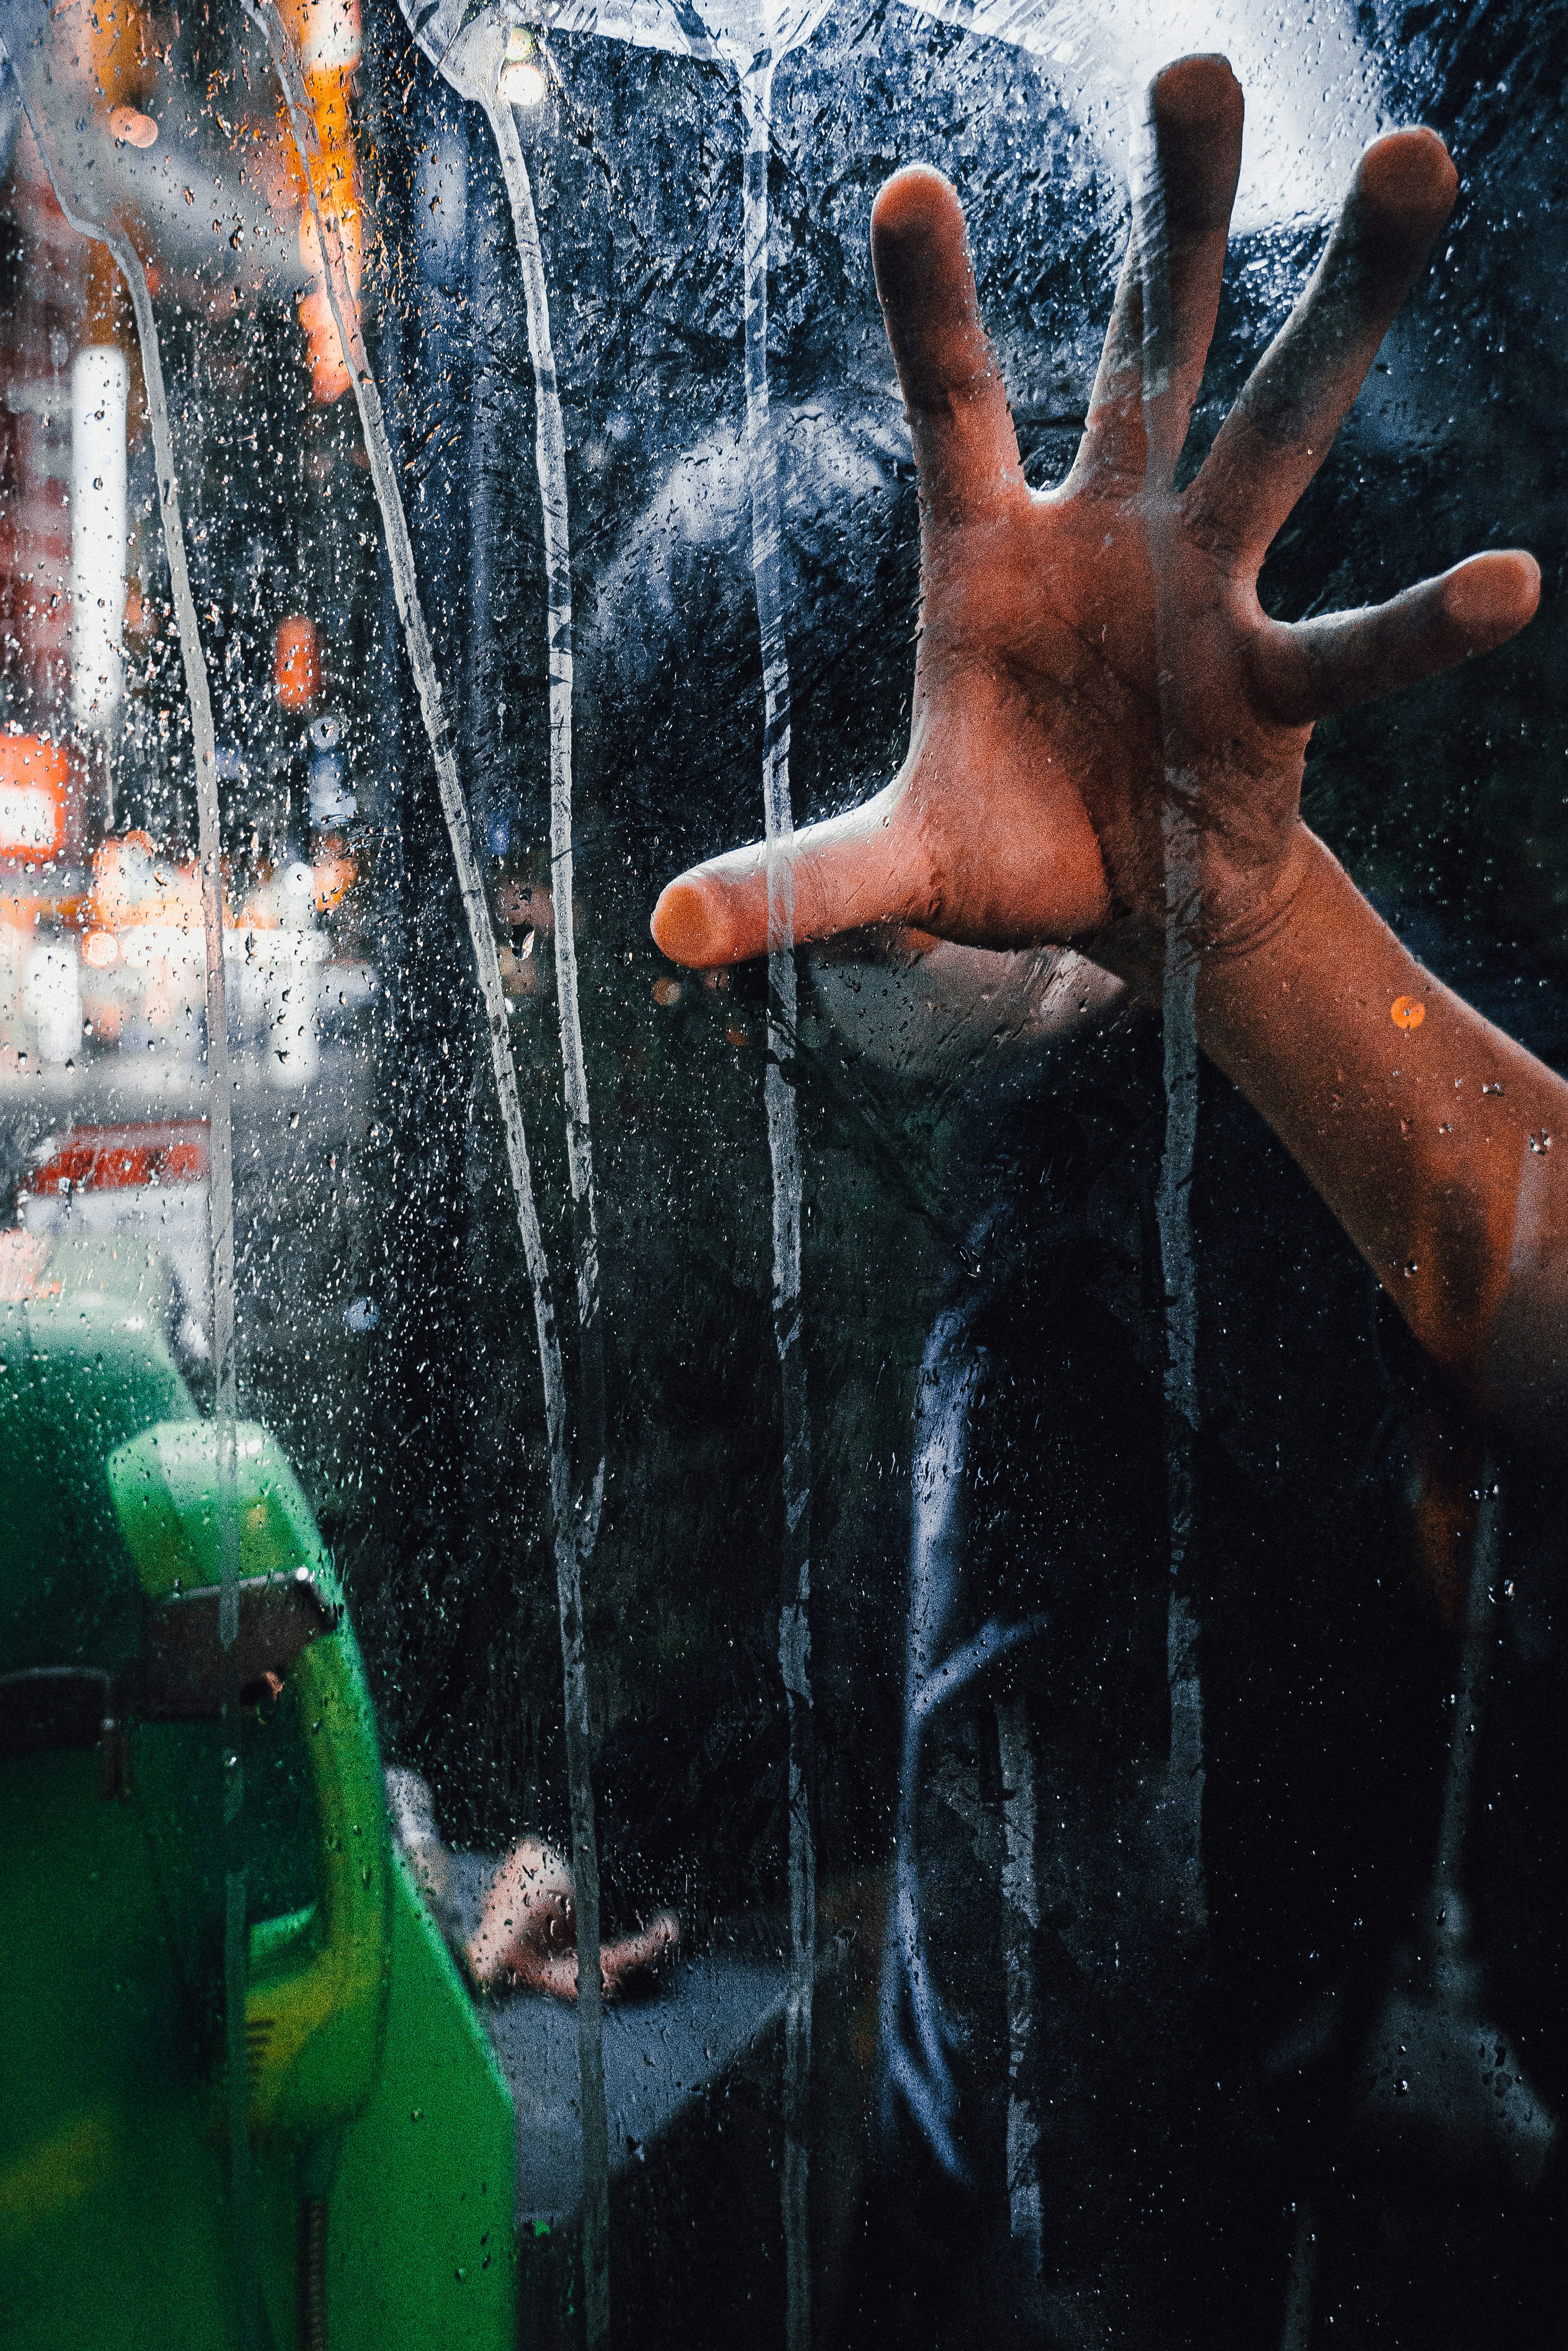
(1091, 655)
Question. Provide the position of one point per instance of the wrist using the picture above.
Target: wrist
(1233, 921)
(1250, 919)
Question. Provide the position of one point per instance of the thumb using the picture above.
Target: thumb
(853, 871)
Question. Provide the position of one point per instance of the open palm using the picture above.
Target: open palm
(1091, 655)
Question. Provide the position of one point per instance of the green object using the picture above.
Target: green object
(166, 1485)
(314, 2009)
(83, 1365)
(113, 2192)
(380, 2128)
(420, 2248)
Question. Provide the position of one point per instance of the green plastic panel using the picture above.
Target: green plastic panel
(115, 2227)
(84, 1364)
(317, 1991)
(114, 2224)
(167, 1484)
(421, 2249)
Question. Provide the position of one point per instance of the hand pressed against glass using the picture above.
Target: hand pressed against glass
(1028, 808)
(1092, 654)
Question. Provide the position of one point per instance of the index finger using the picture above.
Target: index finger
(965, 445)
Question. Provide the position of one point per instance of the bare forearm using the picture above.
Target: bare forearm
(1417, 1135)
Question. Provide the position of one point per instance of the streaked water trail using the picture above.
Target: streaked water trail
(784, 1153)
(220, 1144)
(550, 448)
(1163, 429)
(574, 1516)
(1021, 1926)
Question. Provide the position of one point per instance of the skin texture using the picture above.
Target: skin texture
(527, 1935)
(1093, 654)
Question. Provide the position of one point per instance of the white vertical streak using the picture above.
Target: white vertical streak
(219, 1087)
(549, 445)
(100, 386)
(1020, 1923)
(913, 2032)
(220, 1190)
(784, 1150)
(1163, 426)
(564, 1512)
(1475, 1670)
(1296, 2334)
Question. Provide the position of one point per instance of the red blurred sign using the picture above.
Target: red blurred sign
(104, 1158)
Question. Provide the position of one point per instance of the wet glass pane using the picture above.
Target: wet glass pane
(782, 856)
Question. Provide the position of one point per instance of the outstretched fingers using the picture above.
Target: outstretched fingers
(965, 445)
(1308, 671)
(856, 870)
(1182, 220)
(1282, 428)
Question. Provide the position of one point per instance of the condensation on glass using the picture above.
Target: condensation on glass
(868, 1482)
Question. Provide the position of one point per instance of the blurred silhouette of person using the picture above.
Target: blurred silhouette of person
(1107, 741)
(1094, 656)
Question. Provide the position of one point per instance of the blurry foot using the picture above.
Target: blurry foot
(637, 1959)
(526, 1934)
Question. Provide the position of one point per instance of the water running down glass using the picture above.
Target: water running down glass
(219, 1193)
(784, 1155)
(1165, 427)
(574, 1514)
(472, 53)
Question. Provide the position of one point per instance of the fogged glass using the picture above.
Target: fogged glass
(863, 1481)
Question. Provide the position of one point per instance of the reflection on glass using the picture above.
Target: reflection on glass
(1024, 1636)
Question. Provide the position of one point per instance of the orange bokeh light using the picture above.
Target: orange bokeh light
(297, 662)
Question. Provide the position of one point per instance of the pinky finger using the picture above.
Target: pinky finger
(1307, 670)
